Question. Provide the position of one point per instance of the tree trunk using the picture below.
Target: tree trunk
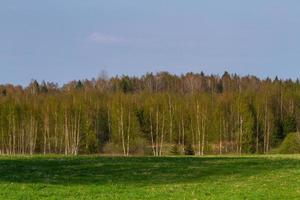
(241, 136)
(128, 134)
(151, 133)
(156, 135)
(198, 130)
(122, 132)
(257, 132)
(220, 137)
(162, 134)
(203, 136)
(66, 135)
(170, 121)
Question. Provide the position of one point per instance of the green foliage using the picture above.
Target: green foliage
(278, 130)
(154, 111)
(289, 124)
(291, 144)
(284, 127)
(126, 84)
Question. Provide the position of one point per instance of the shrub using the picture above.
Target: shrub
(291, 144)
(189, 150)
(175, 150)
(138, 146)
(112, 149)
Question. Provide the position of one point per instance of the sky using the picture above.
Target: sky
(63, 40)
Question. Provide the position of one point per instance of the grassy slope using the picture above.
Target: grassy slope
(55, 177)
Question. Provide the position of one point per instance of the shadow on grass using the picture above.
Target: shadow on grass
(141, 171)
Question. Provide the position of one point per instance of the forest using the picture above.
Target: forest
(153, 114)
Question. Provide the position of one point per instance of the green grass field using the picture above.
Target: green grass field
(92, 177)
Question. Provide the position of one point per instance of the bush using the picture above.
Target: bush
(291, 144)
(137, 147)
(189, 150)
(175, 150)
(112, 149)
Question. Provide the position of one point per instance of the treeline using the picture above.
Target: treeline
(155, 114)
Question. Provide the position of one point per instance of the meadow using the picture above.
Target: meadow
(95, 177)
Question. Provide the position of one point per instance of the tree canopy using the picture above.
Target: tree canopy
(150, 115)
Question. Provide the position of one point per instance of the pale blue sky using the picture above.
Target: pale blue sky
(61, 40)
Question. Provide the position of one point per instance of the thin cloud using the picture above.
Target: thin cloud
(101, 38)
